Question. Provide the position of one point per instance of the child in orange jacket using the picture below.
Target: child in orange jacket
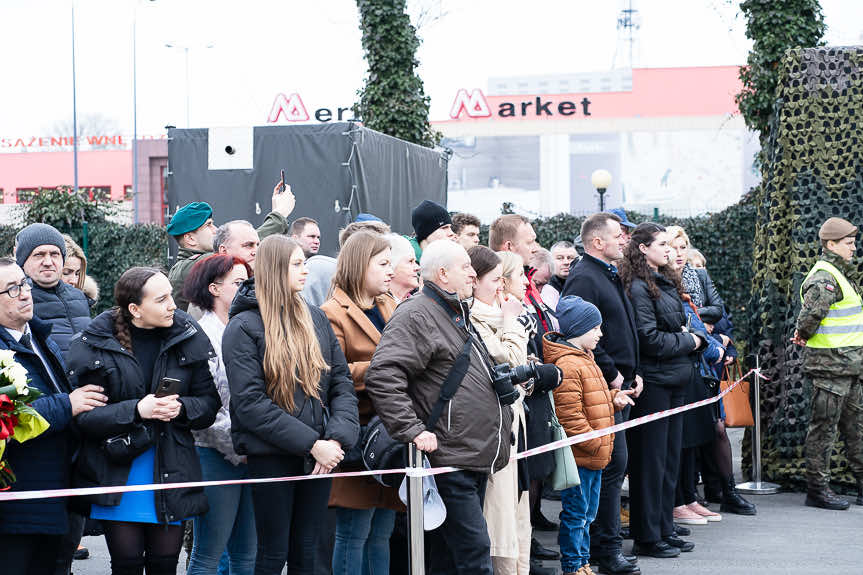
(583, 403)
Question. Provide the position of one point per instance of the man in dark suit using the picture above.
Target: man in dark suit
(594, 278)
(31, 530)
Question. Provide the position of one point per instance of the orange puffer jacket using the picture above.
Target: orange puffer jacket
(583, 401)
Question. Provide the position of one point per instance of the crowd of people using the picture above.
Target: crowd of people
(257, 357)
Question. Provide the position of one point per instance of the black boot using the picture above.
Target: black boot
(859, 493)
(538, 551)
(823, 497)
(732, 502)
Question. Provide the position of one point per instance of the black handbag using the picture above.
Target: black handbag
(125, 447)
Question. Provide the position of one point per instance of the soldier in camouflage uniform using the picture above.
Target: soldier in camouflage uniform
(830, 325)
(192, 226)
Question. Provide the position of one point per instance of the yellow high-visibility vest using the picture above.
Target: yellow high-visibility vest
(843, 324)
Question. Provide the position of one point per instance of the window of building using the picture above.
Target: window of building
(127, 193)
(98, 193)
(25, 195)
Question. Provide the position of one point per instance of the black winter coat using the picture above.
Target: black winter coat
(593, 281)
(668, 354)
(66, 308)
(258, 425)
(538, 404)
(713, 308)
(95, 356)
(42, 462)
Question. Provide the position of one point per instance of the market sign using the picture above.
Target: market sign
(475, 105)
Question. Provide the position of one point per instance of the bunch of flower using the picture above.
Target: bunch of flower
(18, 420)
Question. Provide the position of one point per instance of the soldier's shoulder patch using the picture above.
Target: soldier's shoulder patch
(829, 287)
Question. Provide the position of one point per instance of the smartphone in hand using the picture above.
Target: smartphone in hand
(168, 386)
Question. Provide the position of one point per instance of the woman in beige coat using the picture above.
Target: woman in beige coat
(507, 506)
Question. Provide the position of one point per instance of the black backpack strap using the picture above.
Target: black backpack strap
(459, 368)
(451, 384)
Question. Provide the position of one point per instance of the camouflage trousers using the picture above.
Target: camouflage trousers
(834, 414)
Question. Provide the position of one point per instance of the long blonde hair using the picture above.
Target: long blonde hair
(293, 355)
(74, 250)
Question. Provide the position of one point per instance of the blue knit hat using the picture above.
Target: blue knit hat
(577, 316)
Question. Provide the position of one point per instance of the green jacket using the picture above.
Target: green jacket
(820, 291)
(273, 224)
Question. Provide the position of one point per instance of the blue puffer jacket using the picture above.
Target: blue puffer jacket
(43, 462)
(65, 308)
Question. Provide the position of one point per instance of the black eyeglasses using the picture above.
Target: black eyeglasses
(15, 290)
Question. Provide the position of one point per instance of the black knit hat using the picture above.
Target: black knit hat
(36, 235)
(428, 217)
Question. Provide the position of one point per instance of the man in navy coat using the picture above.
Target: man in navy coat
(31, 530)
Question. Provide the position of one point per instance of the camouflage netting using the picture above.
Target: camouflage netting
(813, 172)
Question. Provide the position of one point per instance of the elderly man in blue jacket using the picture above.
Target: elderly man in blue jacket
(31, 530)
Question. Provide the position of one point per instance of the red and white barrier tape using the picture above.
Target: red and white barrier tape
(411, 472)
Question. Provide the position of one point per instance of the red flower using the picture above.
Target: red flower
(6, 404)
(8, 422)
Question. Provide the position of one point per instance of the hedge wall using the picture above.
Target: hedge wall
(814, 171)
(113, 248)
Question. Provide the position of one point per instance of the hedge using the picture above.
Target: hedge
(112, 249)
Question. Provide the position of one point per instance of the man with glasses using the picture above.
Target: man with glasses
(40, 250)
(35, 535)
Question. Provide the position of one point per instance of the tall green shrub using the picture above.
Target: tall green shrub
(774, 26)
(393, 100)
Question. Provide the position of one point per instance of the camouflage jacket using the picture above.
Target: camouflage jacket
(820, 291)
(273, 224)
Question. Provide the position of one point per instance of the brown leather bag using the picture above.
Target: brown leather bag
(738, 411)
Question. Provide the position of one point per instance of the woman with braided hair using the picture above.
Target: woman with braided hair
(133, 351)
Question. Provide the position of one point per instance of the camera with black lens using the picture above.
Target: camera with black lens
(506, 378)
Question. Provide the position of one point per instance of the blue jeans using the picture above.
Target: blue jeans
(230, 522)
(579, 510)
(363, 541)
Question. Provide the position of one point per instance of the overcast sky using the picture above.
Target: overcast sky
(260, 48)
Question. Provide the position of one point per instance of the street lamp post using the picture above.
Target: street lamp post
(185, 50)
(74, 107)
(601, 180)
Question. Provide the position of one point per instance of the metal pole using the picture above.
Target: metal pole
(74, 107)
(135, 114)
(756, 485)
(416, 551)
(601, 199)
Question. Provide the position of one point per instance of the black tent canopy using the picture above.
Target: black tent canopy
(335, 170)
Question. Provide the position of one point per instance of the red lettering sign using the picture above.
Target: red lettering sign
(291, 107)
(474, 105)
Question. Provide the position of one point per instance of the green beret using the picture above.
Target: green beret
(189, 218)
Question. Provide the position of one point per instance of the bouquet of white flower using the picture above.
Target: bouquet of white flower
(18, 420)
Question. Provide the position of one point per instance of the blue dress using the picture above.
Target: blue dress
(135, 506)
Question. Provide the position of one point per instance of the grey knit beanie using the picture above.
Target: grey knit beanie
(36, 235)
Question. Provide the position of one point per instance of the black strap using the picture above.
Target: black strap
(450, 384)
(459, 368)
